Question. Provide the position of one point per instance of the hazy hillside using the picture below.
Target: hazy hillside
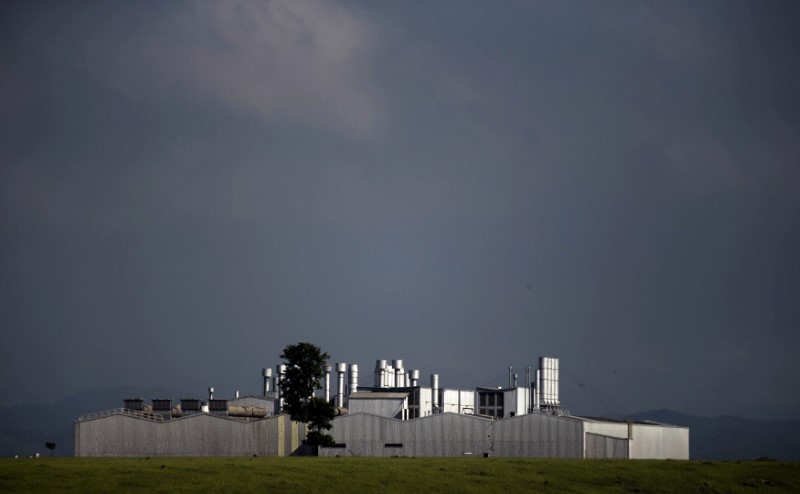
(25, 428)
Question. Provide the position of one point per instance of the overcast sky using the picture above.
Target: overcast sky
(187, 187)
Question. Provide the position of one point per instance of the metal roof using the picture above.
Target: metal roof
(378, 396)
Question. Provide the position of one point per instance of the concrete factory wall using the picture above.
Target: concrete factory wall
(192, 435)
(449, 434)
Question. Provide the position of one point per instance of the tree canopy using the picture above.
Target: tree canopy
(304, 369)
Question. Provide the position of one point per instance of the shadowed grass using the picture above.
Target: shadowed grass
(225, 475)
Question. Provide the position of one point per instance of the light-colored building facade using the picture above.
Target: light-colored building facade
(397, 416)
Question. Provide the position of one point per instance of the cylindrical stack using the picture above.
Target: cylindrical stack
(281, 372)
(327, 369)
(435, 393)
(353, 379)
(530, 385)
(341, 368)
(380, 374)
(543, 384)
(415, 377)
(266, 373)
(210, 394)
(556, 399)
(399, 373)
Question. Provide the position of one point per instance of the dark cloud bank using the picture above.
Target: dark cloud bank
(187, 187)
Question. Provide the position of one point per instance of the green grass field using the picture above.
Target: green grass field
(287, 475)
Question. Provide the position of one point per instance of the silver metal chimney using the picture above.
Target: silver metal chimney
(399, 373)
(266, 373)
(415, 377)
(435, 393)
(353, 379)
(341, 368)
(210, 394)
(327, 369)
(281, 371)
(380, 373)
(529, 384)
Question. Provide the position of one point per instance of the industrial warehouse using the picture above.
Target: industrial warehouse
(396, 416)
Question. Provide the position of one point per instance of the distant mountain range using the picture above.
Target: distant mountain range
(24, 429)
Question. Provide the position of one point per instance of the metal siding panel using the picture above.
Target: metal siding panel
(448, 434)
(598, 446)
(195, 435)
(660, 442)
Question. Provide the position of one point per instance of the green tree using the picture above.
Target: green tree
(304, 369)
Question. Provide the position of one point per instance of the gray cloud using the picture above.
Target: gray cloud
(188, 187)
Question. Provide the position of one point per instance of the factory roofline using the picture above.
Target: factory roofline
(378, 396)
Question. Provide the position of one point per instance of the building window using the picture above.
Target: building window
(393, 445)
(490, 403)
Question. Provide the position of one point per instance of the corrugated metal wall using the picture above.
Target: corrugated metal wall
(449, 434)
(385, 407)
(193, 435)
(649, 441)
(532, 435)
(660, 442)
(598, 446)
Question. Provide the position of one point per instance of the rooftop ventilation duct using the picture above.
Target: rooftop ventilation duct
(327, 369)
(353, 379)
(341, 368)
(266, 373)
(434, 393)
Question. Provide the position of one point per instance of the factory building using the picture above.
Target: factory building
(397, 415)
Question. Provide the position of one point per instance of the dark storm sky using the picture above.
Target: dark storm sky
(187, 187)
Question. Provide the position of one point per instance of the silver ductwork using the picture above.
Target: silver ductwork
(266, 373)
(399, 373)
(548, 394)
(341, 368)
(414, 377)
(353, 379)
(435, 393)
(210, 394)
(380, 374)
(327, 369)
(530, 386)
(281, 372)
